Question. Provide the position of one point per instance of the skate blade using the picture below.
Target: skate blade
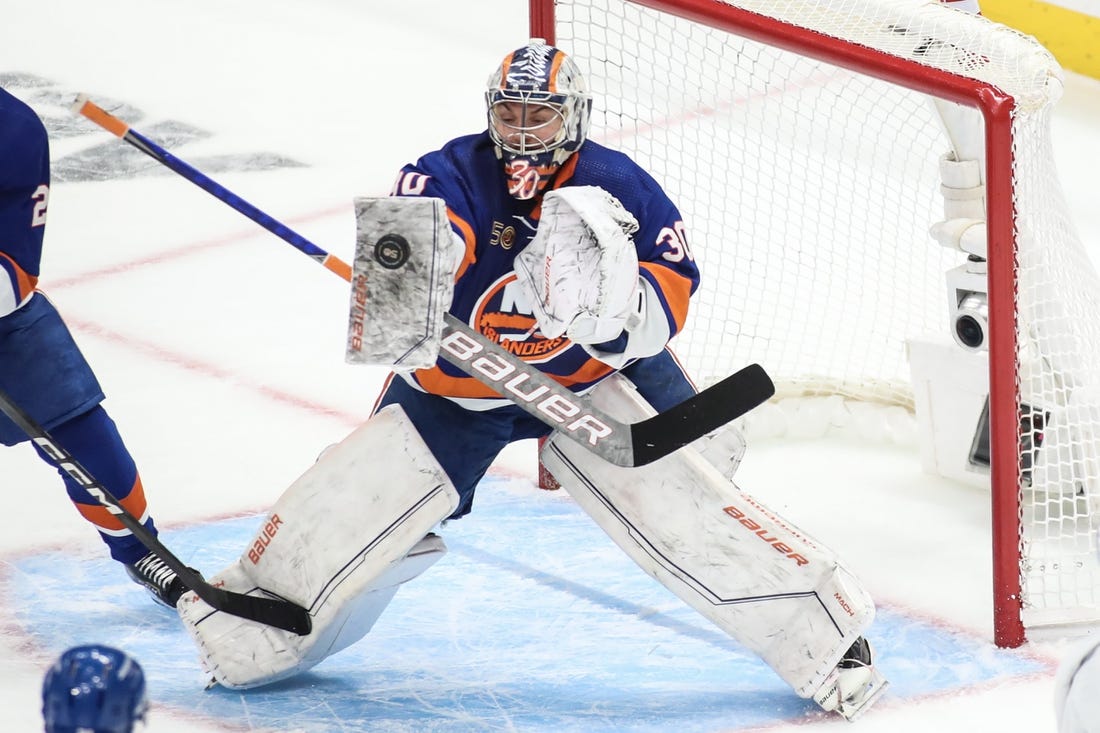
(852, 710)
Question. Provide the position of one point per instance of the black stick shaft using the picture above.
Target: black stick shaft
(273, 612)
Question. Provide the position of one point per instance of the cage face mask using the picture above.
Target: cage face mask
(538, 110)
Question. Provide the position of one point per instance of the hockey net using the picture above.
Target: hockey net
(799, 141)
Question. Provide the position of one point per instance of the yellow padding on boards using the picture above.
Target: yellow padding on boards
(1073, 37)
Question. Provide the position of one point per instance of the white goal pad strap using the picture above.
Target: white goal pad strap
(766, 583)
(580, 271)
(337, 542)
(406, 257)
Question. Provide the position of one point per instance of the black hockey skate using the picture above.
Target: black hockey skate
(157, 578)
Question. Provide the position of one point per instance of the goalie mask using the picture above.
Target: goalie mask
(538, 111)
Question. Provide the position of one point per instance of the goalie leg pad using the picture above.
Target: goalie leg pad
(769, 585)
(723, 448)
(338, 542)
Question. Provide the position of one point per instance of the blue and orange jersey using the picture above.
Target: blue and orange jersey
(24, 194)
(495, 227)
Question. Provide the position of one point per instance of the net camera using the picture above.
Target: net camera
(968, 305)
(972, 321)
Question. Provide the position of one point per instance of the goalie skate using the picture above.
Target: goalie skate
(854, 685)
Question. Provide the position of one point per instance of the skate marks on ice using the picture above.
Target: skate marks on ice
(105, 159)
(534, 621)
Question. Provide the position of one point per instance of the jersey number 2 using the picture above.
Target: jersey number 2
(41, 198)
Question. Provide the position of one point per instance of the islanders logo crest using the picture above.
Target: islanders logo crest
(505, 317)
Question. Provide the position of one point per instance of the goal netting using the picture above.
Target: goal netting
(800, 142)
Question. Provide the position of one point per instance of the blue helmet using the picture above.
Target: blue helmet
(538, 108)
(93, 688)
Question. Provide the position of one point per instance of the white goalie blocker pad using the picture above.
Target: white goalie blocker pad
(766, 583)
(406, 257)
(338, 542)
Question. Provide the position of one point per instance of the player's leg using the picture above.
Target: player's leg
(94, 440)
(43, 370)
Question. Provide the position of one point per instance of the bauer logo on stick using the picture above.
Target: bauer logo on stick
(391, 251)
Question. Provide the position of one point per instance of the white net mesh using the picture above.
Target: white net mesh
(808, 191)
(1059, 377)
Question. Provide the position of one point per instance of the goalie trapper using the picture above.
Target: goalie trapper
(854, 685)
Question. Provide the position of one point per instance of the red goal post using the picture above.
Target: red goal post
(798, 140)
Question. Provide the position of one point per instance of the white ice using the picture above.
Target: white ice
(220, 347)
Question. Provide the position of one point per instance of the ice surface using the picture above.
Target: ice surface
(221, 351)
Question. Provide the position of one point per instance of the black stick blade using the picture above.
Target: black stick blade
(270, 611)
(696, 416)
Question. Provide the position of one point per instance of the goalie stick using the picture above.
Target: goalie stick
(623, 444)
(271, 611)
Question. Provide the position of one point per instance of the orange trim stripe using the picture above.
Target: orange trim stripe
(554, 66)
(24, 283)
(675, 288)
(568, 168)
(504, 66)
(98, 515)
(435, 381)
(468, 236)
(385, 386)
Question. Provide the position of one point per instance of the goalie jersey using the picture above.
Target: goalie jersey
(495, 227)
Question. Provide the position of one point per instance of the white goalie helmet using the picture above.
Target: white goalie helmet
(538, 109)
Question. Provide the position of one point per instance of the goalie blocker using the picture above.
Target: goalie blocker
(766, 583)
(402, 282)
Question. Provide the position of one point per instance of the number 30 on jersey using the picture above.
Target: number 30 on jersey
(674, 241)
